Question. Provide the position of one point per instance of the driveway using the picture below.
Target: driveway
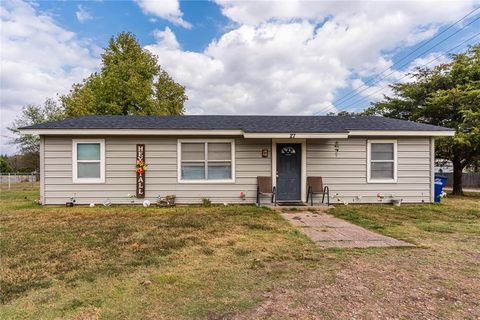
(331, 232)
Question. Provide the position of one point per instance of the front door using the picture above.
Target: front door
(289, 167)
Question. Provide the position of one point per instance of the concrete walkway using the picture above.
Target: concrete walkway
(331, 232)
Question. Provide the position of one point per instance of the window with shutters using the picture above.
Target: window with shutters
(206, 160)
(382, 161)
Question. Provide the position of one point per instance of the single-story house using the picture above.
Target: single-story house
(361, 159)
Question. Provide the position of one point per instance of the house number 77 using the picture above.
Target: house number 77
(292, 135)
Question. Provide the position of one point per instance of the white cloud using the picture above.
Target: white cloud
(257, 12)
(251, 70)
(166, 39)
(431, 60)
(38, 60)
(165, 9)
(281, 60)
(82, 14)
(375, 89)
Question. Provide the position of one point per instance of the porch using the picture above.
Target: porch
(300, 206)
(290, 185)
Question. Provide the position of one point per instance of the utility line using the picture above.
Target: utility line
(406, 75)
(349, 95)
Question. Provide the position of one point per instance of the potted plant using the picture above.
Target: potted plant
(397, 202)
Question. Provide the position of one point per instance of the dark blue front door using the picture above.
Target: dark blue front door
(289, 166)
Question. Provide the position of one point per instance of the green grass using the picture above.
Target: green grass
(216, 262)
(414, 222)
(181, 262)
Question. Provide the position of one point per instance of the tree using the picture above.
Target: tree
(447, 95)
(130, 81)
(4, 165)
(30, 144)
(344, 113)
(33, 114)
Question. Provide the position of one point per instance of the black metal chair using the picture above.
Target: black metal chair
(315, 186)
(264, 187)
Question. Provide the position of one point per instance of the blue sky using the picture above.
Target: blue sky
(233, 57)
(111, 17)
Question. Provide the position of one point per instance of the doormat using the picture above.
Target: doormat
(292, 204)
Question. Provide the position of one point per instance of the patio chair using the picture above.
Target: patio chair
(264, 187)
(315, 186)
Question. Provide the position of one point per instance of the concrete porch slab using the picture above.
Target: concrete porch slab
(301, 207)
(331, 232)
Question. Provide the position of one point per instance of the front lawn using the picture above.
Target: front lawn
(136, 262)
(232, 262)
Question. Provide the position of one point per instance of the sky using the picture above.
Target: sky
(233, 57)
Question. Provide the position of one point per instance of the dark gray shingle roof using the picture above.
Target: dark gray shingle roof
(250, 123)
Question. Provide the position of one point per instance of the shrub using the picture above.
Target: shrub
(206, 202)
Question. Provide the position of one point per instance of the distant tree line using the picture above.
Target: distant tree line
(19, 163)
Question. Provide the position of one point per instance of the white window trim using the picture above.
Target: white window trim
(395, 162)
(179, 160)
(75, 178)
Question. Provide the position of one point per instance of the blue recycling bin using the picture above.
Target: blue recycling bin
(440, 182)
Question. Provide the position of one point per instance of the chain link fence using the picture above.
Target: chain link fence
(12, 181)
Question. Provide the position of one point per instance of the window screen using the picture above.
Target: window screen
(382, 161)
(88, 162)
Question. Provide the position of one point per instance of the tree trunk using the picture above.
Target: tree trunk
(457, 178)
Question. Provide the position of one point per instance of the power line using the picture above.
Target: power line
(404, 65)
(424, 65)
(421, 46)
(349, 95)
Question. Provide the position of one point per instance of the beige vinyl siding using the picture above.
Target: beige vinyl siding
(161, 178)
(346, 172)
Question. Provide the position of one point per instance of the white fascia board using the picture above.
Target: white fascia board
(159, 132)
(295, 135)
(132, 132)
(399, 133)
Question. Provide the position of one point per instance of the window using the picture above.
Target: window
(88, 163)
(382, 161)
(206, 161)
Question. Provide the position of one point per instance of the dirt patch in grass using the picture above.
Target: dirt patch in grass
(235, 262)
(440, 279)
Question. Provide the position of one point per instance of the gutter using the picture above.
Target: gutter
(403, 133)
(247, 135)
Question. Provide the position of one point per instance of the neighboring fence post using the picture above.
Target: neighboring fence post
(9, 181)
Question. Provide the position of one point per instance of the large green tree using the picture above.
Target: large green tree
(130, 81)
(447, 95)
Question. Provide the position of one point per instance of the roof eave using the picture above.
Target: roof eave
(248, 135)
(402, 133)
(135, 132)
(292, 135)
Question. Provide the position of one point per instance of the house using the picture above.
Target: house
(443, 166)
(361, 159)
